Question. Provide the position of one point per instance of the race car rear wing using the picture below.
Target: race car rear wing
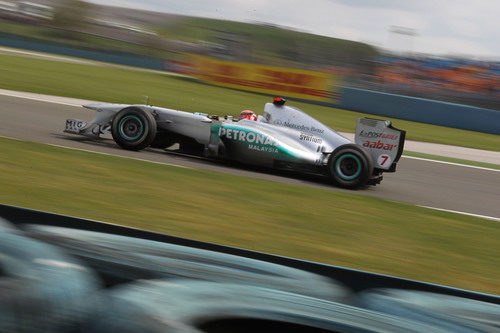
(384, 142)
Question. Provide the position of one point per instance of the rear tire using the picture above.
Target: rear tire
(350, 166)
(133, 128)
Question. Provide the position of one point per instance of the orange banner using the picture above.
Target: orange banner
(307, 85)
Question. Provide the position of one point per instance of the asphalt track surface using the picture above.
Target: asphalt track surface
(420, 182)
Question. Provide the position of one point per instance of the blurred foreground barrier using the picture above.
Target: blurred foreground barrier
(421, 110)
(355, 280)
(459, 314)
(125, 259)
(42, 289)
(206, 307)
(51, 265)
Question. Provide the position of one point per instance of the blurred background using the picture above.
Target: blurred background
(400, 60)
(163, 41)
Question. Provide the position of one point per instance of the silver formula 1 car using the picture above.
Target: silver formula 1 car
(283, 138)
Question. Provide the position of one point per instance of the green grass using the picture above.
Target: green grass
(340, 228)
(452, 160)
(127, 86)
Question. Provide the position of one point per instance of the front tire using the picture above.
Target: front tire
(133, 128)
(350, 166)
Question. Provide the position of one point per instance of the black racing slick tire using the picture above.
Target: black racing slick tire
(133, 128)
(350, 166)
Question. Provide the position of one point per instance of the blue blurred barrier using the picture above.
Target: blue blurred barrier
(116, 57)
(421, 110)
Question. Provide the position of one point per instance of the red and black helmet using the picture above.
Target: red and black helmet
(247, 114)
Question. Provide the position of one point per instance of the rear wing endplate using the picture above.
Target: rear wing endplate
(384, 142)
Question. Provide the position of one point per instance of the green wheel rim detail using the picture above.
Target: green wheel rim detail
(123, 123)
(338, 165)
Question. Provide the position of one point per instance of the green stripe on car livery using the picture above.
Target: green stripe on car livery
(255, 140)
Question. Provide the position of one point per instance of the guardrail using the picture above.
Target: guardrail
(421, 110)
(356, 280)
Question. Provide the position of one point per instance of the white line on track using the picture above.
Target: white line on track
(45, 98)
(101, 153)
(450, 163)
(464, 213)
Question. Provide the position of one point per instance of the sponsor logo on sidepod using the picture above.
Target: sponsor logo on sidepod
(310, 138)
(299, 127)
(259, 142)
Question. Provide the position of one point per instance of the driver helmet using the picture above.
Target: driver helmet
(247, 114)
